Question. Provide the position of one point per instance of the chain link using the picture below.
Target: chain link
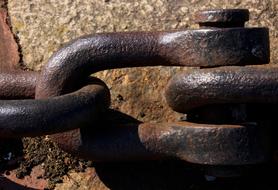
(81, 122)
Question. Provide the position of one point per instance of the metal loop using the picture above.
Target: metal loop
(204, 47)
(224, 85)
(19, 118)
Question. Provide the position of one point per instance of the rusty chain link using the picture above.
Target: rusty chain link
(80, 121)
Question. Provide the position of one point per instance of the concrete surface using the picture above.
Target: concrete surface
(42, 26)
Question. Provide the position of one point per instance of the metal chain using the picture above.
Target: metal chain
(81, 122)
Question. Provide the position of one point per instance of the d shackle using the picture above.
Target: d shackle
(222, 40)
(220, 45)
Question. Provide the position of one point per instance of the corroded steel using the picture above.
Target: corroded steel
(19, 118)
(18, 84)
(222, 41)
(207, 143)
(206, 47)
(124, 139)
(224, 85)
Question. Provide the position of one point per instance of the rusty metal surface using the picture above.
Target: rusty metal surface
(224, 85)
(222, 18)
(203, 47)
(18, 84)
(122, 137)
(19, 118)
(118, 139)
(208, 144)
(206, 47)
(125, 139)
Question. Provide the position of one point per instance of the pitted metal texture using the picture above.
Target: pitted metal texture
(81, 122)
(205, 47)
(207, 144)
(18, 84)
(224, 85)
(19, 118)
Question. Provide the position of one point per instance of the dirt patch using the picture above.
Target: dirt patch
(39, 151)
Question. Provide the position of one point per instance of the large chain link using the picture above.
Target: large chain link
(74, 108)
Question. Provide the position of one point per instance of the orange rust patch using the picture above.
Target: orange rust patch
(9, 56)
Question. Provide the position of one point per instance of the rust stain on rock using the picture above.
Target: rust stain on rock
(33, 181)
(9, 56)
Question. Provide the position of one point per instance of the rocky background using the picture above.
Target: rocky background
(42, 26)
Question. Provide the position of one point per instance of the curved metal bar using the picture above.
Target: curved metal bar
(19, 118)
(224, 85)
(208, 144)
(123, 139)
(18, 84)
(204, 47)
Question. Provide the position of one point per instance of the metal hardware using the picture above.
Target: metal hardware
(105, 135)
(196, 143)
(205, 47)
(19, 118)
(224, 85)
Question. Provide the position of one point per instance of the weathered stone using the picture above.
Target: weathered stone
(82, 180)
